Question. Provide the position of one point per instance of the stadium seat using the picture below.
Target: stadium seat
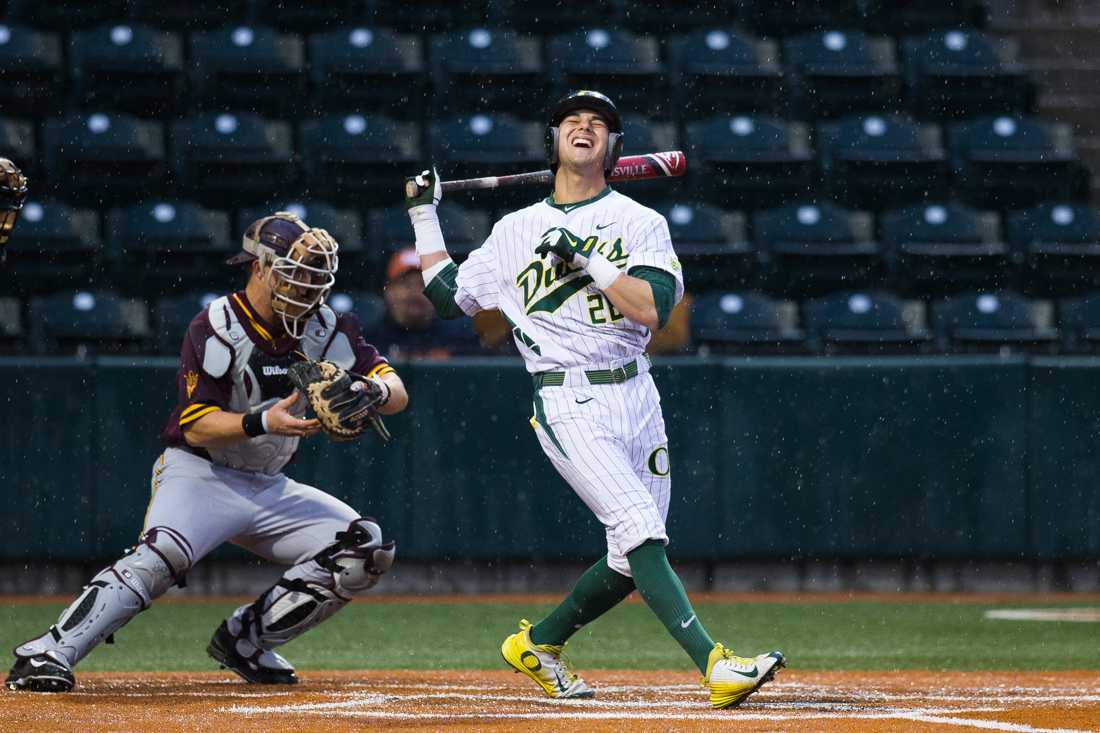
(157, 247)
(745, 322)
(626, 66)
(749, 162)
(778, 17)
(174, 314)
(960, 73)
(12, 333)
(643, 135)
(54, 246)
(31, 71)
(17, 144)
(130, 68)
(712, 246)
(865, 322)
(1011, 162)
(65, 16)
(834, 73)
(900, 17)
(818, 247)
(369, 307)
(298, 17)
(983, 322)
(388, 230)
(192, 15)
(104, 158)
(84, 323)
(239, 155)
(486, 71)
(250, 68)
(345, 225)
(429, 16)
(367, 70)
(659, 17)
(878, 160)
(1079, 319)
(940, 248)
(1060, 246)
(547, 19)
(724, 72)
(486, 145)
(358, 159)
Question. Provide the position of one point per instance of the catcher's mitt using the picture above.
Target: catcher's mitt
(344, 404)
(13, 192)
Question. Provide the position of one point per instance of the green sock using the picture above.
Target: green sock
(663, 592)
(597, 591)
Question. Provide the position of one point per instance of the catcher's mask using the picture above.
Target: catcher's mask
(301, 264)
(13, 192)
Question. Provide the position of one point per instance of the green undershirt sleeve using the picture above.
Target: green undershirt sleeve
(441, 291)
(664, 290)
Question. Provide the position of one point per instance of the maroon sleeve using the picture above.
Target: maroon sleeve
(197, 392)
(368, 361)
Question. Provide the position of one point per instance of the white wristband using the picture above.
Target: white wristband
(602, 270)
(263, 420)
(429, 237)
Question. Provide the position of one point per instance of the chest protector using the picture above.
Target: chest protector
(260, 380)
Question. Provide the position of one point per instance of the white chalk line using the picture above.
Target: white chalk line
(1073, 615)
(987, 724)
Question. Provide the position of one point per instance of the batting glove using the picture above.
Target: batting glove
(423, 190)
(567, 246)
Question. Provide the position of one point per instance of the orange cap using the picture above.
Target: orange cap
(401, 262)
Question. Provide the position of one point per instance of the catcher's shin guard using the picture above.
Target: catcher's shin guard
(306, 595)
(114, 596)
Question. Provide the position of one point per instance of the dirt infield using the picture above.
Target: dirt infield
(502, 701)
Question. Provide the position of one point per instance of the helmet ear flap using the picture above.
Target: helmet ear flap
(614, 151)
(550, 143)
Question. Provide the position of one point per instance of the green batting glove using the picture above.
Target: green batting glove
(423, 190)
(566, 246)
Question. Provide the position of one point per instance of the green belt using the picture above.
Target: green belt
(595, 376)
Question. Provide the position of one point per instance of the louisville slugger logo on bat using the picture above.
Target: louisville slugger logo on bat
(669, 164)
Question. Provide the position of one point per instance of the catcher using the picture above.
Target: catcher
(237, 424)
(13, 192)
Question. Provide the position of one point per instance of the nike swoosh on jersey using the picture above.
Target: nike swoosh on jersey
(581, 402)
(685, 624)
(603, 226)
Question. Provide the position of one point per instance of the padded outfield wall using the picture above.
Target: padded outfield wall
(934, 458)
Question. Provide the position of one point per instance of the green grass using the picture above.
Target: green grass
(854, 635)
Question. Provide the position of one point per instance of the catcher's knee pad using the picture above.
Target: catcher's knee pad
(114, 596)
(359, 558)
(285, 611)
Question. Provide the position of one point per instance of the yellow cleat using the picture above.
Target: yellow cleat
(542, 663)
(731, 679)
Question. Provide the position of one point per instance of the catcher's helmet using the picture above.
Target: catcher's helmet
(598, 103)
(302, 261)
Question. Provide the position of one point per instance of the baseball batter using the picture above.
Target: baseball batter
(584, 277)
(220, 477)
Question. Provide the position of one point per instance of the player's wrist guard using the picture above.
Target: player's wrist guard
(429, 236)
(602, 270)
(254, 424)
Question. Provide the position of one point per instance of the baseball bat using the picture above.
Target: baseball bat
(670, 164)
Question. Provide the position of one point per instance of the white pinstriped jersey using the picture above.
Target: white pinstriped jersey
(559, 318)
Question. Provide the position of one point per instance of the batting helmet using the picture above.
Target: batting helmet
(601, 105)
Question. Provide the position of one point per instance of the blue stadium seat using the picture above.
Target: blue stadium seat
(17, 144)
(487, 71)
(1010, 162)
(818, 247)
(778, 17)
(155, 247)
(871, 322)
(87, 322)
(192, 15)
(659, 17)
(626, 67)
(835, 72)
(130, 68)
(65, 16)
(388, 230)
(546, 19)
(961, 73)
(429, 16)
(32, 74)
(174, 314)
(369, 307)
(12, 333)
(748, 162)
(998, 322)
(939, 248)
(239, 155)
(83, 152)
(54, 246)
(740, 321)
(900, 17)
(877, 160)
(722, 71)
(248, 67)
(345, 225)
(368, 70)
(1060, 245)
(1079, 321)
(359, 159)
(316, 16)
(643, 135)
(485, 145)
(712, 245)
